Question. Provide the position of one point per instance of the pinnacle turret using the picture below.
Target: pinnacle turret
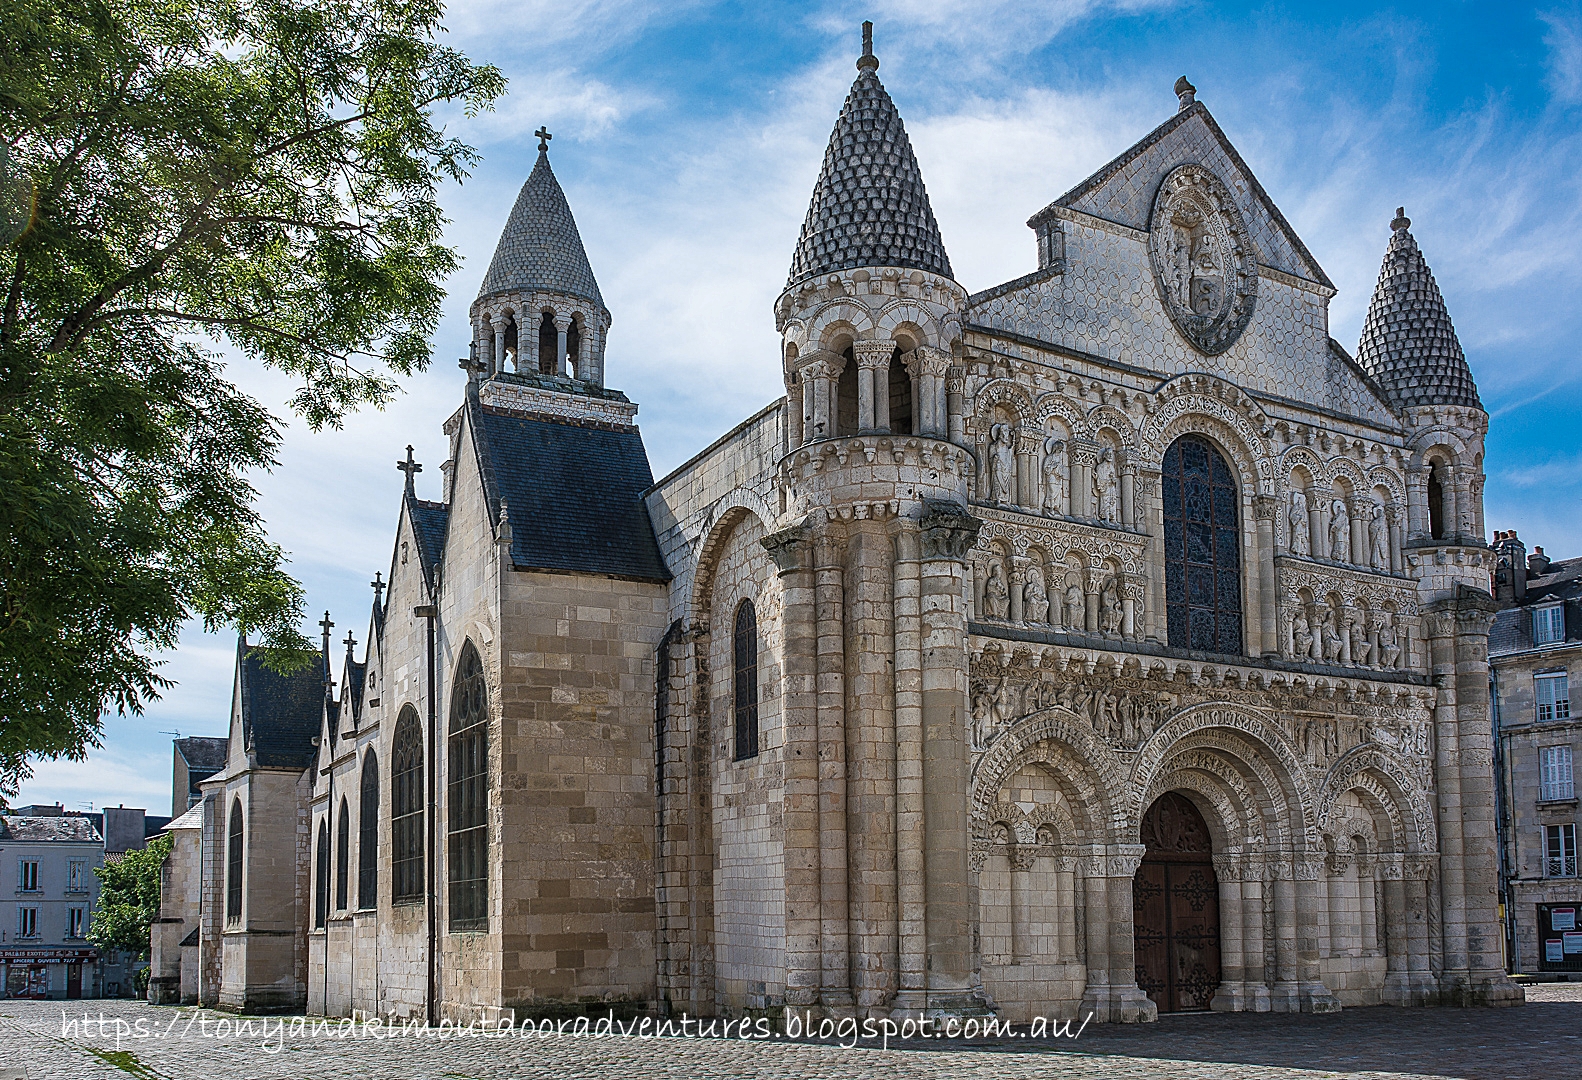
(540, 249)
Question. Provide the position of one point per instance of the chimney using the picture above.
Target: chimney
(1537, 563)
(1510, 574)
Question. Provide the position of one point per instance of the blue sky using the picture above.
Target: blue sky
(688, 136)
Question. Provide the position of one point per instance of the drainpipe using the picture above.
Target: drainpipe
(429, 612)
(1501, 826)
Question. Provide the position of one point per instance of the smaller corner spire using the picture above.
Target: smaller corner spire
(867, 61)
(1186, 94)
(1401, 222)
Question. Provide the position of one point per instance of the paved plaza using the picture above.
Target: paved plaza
(1541, 1040)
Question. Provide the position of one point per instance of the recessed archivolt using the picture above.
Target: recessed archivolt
(836, 320)
(1390, 480)
(1228, 823)
(1064, 743)
(1252, 810)
(1024, 825)
(1007, 393)
(911, 318)
(1281, 817)
(1372, 769)
(1103, 417)
(1425, 443)
(1211, 417)
(1350, 470)
(731, 511)
(1245, 736)
(1056, 404)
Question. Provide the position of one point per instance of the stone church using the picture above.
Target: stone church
(1111, 639)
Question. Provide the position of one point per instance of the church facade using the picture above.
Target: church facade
(1108, 640)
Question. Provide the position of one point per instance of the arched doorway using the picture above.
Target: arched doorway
(1175, 908)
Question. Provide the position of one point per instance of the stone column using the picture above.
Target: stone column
(911, 893)
(1263, 508)
(1286, 995)
(1028, 483)
(1359, 506)
(938, 411)
(955, 422)
(1397, 979)
(871, 757)
(792, 553)
(829, 605)
(1253, 934)
(1083, 455)
(1066, 906)
(499, 322)
(795, 417)
(1129, 496)
(1017, 582)
(818, 377)
(1021, 862)
(948, 533)
(1317, 518)
(873, 384)
(1394, 515)
(1232, 993)
(1148, 481)
(1091, 599)
(1425, 990)
(1126, 1003)
(1440, 618)
(562, 325)
(1095, 918)
(1315, 996)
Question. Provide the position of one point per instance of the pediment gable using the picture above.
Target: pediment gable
(1123, 191)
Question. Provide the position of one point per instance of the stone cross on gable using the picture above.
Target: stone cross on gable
(410, 467)
(350, 642)
(326, 625)
(543, 136)
(378, 586)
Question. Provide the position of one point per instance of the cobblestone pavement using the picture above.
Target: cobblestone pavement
(1541, 1040)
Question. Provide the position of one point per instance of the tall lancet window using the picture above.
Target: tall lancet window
(321, 871)
(368, 834)
(469, 795)
(233, 864)
(1202, 548)
(744, 643)
(343, 843)
(406, 809)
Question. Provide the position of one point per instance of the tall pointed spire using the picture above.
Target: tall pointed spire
(1408, 343)
(540, 249)
(869, 206)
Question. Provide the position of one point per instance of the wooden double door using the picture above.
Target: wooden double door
(1175, 908)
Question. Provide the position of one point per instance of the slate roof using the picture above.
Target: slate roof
(573, 492)
(1408, 343)
(429, 520)
(540, 248)
(1513, 627)
(32, 830)
(281, 714)
(869, 206)
(203, 753)
(192, 819)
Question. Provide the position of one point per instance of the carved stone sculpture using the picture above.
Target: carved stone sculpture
(1331, 636)
(1056, 477)
(1075, 607)
(1035, 600)
(1306, 646)
(1107, 486)
(1297, 519)
(1359, 640)
(1110, 607)
(1339, 532)
(1378, 539)
(1389, 643)
(1002, 465)
(996, 593)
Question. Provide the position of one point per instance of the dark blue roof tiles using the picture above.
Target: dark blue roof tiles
(281, 714)
(540, 248)
(429, 522)
(869, 207)
(573, 494)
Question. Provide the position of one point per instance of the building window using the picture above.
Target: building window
(744, 644)
(661, 711)
(1554, 774)
(1202, 548)
(368, 835)
(27, 922)
(468, 795)
(1560, 851)
(343, 844)
(406, 809)
(233, 865)
(74, 922)
(321, 871)
(27, 876)
(1549, 624)
(76, 876)
(1553, 696)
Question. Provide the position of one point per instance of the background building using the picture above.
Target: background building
(48, 891)
(1535, 651)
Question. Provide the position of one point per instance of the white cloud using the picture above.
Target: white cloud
(1565, 54)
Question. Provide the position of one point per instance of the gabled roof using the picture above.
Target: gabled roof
(869, 206)
(281, 714)
(1123, 191)
(202, 753)
(67, 828)
(573, 492)
(192, 819)
(1408, 342)
(429, 520)
(1512, 630)
(541, 249)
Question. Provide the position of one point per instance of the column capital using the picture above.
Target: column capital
(789, 548)
(562, 322)
(873, 354)
(1264, 507)
(927, 360)
(1083, 451)
(948, 531)
(1124, 859)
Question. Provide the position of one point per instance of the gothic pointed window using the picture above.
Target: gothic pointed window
(321, 873)
(233, 864)
(744, 643)
(343, 841)
(468, 795)
(406, 809)
(368, 834)
(1202, 548)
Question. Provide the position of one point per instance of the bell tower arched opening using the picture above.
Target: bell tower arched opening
(1175, 908)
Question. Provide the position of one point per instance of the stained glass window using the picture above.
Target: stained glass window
(1202, 548)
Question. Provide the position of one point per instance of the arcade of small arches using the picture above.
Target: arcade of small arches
(1212, 868)
(540, 333)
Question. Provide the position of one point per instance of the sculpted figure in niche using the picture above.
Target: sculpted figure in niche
(1378, 539)
(1331, 636)
(1339, 532)
(1035, 600)
(1389, 643)
(1110, 607)
(1302, 634)
(1107, 486)
(996, 593)
(980, 719)
(1055, 477)
(1297, 519)
(1359, 639)
(1002, 465)
(1074, 607)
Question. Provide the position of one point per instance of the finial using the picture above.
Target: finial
(867, 61)
(502, 535)
(543, 137)
(410, 467)
(1186, 92)
(326, 625)
(1401, 222)
(350, 643)
(378, 586)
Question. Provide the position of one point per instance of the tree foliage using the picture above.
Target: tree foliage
(176, 174)
(129, 899)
